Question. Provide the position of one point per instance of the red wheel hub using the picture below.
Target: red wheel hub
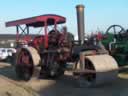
(24, 58)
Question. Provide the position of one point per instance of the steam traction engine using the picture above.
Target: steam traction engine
(56, 49)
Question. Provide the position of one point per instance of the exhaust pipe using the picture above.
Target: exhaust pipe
(80, 23)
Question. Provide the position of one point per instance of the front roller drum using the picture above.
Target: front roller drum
(104, 67)
(26, 62)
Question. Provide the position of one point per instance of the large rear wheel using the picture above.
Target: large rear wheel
(24, 65)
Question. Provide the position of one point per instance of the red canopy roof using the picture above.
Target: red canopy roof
(38, 21)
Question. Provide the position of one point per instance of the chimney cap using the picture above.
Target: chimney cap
(80, 6)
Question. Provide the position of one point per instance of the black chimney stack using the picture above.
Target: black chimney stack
(80, 23)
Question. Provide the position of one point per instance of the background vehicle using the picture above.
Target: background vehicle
(116, 42)
(6, 54)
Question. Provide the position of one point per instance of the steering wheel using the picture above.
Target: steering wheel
(117, 31)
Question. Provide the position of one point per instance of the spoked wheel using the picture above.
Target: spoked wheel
(24, 65)
(116, 30)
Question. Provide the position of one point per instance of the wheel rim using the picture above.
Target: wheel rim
(24, 65)
(115, 29)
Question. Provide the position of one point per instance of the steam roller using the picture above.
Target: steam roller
(55, 51)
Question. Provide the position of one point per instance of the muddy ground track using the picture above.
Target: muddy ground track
(64, 86)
